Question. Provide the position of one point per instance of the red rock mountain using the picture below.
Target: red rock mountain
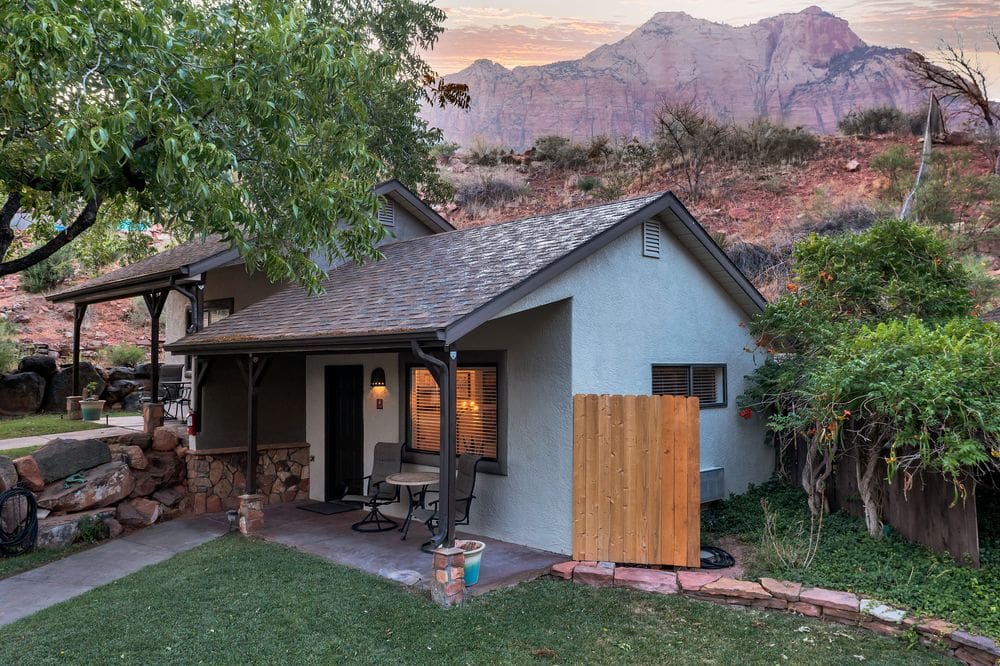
(807, 69)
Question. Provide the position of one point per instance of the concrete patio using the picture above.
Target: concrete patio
(384, 554)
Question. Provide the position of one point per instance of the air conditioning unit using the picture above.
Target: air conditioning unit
(713, 484)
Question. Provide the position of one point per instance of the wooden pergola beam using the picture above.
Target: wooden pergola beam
(155, 300)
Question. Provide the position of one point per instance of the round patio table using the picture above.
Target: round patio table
(413, 480)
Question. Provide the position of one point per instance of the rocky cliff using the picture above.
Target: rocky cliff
(805, 69)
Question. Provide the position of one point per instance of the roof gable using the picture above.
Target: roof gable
(445, 285)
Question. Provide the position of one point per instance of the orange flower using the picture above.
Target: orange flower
(746, 413)
(792, 287)
(847, 413)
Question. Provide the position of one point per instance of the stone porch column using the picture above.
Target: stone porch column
(448, 584)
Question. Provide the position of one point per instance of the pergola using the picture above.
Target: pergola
(180, 269)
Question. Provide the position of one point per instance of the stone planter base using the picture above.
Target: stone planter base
(73, 412)
(448, 583)
(152, 416)
(251, 514)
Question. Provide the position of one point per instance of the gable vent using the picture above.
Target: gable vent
(387, 214)
(651, 239)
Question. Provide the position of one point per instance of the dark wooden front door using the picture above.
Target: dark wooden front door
(345, 429)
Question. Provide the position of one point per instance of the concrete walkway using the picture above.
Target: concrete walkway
(117, 425)
(71, 576)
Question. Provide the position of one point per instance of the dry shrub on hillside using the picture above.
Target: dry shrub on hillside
(477, 191)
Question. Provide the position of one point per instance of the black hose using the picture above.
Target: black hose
(18, 521)
(715, 558)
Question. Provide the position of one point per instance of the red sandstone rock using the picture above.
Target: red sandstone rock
(731, 587)
(104, 485)
(164, 439)
(803, 608)
(114, 528)
(199, 503)
(782, 589)
(134, 456)
(139, 512)
(692, 581)
(936, 627)
(844, 601)
(771, 604)
(30, 475)
(145, 484)
(842, 616)
(562, 570)
(980, 643)
(593, 576)
(647, 580)
(213, 504)
(883, 628)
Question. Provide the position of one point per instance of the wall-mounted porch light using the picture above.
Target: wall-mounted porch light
(378, 386)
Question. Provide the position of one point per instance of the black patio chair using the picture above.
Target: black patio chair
(388, 460)
(465, 485)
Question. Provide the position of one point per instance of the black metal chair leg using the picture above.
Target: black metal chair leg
(375, 521)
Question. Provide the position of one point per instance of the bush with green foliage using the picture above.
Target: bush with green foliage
(486, 153)
(444, 151)
(489, 189)
(10, 354)
(103, 245)
(895, 285)
(877, 120)
(561, 152)
(588, 183)
(765, 143)
(48, 274)
(898, 165)
(124, 354)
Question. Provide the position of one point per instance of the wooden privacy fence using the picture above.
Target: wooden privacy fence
(636, 473)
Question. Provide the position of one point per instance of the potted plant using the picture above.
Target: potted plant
(473, 554)
(90, 406)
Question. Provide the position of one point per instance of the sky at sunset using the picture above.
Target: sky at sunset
(532, 32)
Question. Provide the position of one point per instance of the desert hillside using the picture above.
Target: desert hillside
(807, 69)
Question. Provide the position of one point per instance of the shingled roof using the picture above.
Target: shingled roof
(159, 268)
(438, 287)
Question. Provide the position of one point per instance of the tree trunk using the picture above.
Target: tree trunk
(866, 468)
(83, 221)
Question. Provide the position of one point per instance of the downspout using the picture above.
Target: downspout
(444, 374)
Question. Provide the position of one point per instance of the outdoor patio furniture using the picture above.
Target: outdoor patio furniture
(412, 480)
(465, 484)
(388, 459)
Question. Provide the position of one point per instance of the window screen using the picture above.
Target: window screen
(705, 382)
(475, 415)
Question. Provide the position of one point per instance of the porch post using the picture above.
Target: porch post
(449, 430)
(155, 300)
(254, 368)
(79, 310)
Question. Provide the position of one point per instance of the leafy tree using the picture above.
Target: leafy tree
(895, 163)
(844, 287)
(267, 122)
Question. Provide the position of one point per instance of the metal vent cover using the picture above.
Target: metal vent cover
(713, 484)
(387, 214)
(651, 239)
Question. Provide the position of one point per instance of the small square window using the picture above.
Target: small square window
(707, 382)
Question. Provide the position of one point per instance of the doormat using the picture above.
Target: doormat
(330, 508)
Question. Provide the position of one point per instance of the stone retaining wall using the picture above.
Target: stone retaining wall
(217, 477)
(843, 607)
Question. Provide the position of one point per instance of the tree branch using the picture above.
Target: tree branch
(7, 214)
(85, 220)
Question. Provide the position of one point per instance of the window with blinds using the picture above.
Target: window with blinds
(475, 413)
(705, 382)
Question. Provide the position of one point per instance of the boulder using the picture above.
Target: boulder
(57, 532)
(165, 467)
(21, 393)
(165, 439)
(62, 457)
(119, 373)
(8, 474)
(143, 371)
(145, 484)
(119, 389)
(139, 512)
(133, 402)
(169, 497)
(141, 439)
(61, 385)
(134, 456)
(30, 475)
(113, 527)
(42, 365)
(104, 485)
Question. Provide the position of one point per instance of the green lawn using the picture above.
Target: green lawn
(890, 569)
(42, 424)
(238, 601)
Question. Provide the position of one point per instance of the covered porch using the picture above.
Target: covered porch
(384, 554)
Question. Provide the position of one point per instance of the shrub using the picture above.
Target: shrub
(444, 151)
(124, 354)
(897, 164)
(10, 354)
(489, 189)
(137, 314)
(485, 153)
(561, 152)
(847, 219)
(48, 274)
(766, 143)
(877, 120)
(588, 183)
(754, 261)
(101, 246)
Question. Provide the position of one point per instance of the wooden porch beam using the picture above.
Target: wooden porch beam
(155, 300)
(253, 367)
(79, 310)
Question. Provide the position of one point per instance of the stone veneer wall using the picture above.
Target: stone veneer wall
(217, 477)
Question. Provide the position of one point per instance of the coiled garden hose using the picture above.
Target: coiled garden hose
(18, 521)
(715, 558)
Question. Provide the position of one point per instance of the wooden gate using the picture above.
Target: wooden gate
(636, 472)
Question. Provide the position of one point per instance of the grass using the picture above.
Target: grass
(890, 569)
(10, 566)
(42, 424)
(244, 601)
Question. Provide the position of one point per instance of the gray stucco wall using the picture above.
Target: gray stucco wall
(631, 311)
(281, 404)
